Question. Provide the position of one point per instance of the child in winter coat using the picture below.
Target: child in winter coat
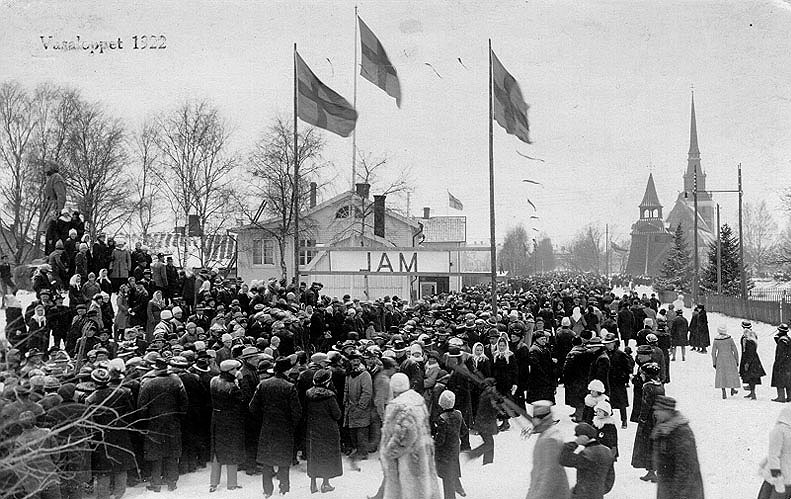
(606, 424)
(448, 431)
(596, 395)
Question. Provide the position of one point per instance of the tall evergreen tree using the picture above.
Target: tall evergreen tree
(730, 265)
(676, 272)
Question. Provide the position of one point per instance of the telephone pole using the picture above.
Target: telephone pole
(742, 273)
(696, 265)
(719, 253)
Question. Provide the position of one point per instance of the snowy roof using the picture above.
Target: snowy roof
(444, 229)
(219, 249)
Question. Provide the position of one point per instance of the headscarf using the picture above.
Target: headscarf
(576, 314)
(477, 358)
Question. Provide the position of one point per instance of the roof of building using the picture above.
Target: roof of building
(693, 131)
(444, 229)
(219, 249)
(650, 198)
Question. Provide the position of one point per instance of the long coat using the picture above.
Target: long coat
(575, 375)
(323, 439)
(542, 380)
(620, 372)
(122, 264)
(642, 452)
(114, 452)
(450, 429)
(277, 403)
(781, 370)
(548, 479)
(162, 403)
(357, 399)
(679, 330)
(725, 357)
(676, 460)
(228, 411)
(699, 330)
(750, 369)
(407, 450)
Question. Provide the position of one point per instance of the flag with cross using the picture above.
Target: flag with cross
(320, 105)
(376, 66)
(510, 109)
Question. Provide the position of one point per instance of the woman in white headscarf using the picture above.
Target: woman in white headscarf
(578, 323)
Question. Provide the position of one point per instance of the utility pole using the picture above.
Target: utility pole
(719, 253)
(742, 276)
(695, 264)
(607, 249)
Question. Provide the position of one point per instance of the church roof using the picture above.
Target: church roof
(693, 131)
(650, 199)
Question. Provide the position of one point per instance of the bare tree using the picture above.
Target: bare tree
(95, 166)
(271, 167)
(513, 256)
(585, 252)
(760, 235)
(195, 165)
(146, 156)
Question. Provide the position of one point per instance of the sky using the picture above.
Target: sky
(608, 84)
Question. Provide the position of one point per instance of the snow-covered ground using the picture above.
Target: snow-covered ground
(731, 435)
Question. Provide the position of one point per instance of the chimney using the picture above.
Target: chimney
(379, 215)
(363, 190)
(312, 194)
(426, 212)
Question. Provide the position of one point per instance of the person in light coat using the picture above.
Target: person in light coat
(548, 479)
(406, 449)
(776, 468)
(725, 358)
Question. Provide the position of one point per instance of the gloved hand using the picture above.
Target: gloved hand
(776, 473)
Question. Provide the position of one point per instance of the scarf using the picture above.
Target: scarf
(600, 422)
(591, 401)
(41, 320)
(478, 358)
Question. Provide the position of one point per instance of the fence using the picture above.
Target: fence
(762, 309)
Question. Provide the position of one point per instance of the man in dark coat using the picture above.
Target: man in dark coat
(542, 381)
(600, 366)
(575, 376)
(675, 454)
(277, 404)
(162, 403)
(592, 460)
(248, 382)
(781, 371)
(563, 345)
(100, 255)
(193, 443)
(625, 324)
(638, 316)
(620, 372)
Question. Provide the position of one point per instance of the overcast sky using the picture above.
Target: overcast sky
(608, 84)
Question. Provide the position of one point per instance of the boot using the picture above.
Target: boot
(750, 395)
(734, 391)
(313, 487)
(724, 396)
(650, 476)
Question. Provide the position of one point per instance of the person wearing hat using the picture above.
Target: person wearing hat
(575, 377)
(600, 366)
(357, 399)
(751, 369)
(621, 366)
(547, 477)
(162, 402)
(643, 449)
(781, 370)
(657, 355)
(699, 330)
(413, 367)
(224, 352)
(675, 454)
(277, 404)
(248, 381)
(407, 448)
(114, 455)
(725, 360)
(679, 330)
(159, 274)
(449, 429)
(227, 446)
(592, 460)
(542, 381)
(194, 440)
(323, 438)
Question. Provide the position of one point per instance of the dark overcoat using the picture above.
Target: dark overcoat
(542, 381)
(676, 460)
(781, 370)
(114, 452)
(486, 413)
(323, 439)
(277, 403)
(619, 374)
(642, 451)
(575, 375)
(679, 329)
(600, 369)
(592, 465)
(228, 412)
(750, 369)
(450, 429)
(162, 403)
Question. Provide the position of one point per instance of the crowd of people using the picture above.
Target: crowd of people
(187, 371)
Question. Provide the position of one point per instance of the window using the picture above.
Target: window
(346, 211)
(263, 252)
(305, 256)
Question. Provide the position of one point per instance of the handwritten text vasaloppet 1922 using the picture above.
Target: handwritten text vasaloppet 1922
(135, 42)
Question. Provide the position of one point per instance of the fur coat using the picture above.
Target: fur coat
(407, 450)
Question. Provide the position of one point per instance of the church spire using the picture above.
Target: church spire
(693, 132)
(650, 207)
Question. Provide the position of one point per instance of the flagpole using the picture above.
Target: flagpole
(354, 103)
(491, 190)
(296, 184)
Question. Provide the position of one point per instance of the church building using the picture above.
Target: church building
(652, 237)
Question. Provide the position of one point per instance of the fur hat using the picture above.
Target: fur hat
(399, 383)
(596, 385)
(604, 406)
(447, 399)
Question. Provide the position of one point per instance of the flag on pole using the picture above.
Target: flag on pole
(320, 105)
(375, 65)
(454, 202)
(510, 109)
